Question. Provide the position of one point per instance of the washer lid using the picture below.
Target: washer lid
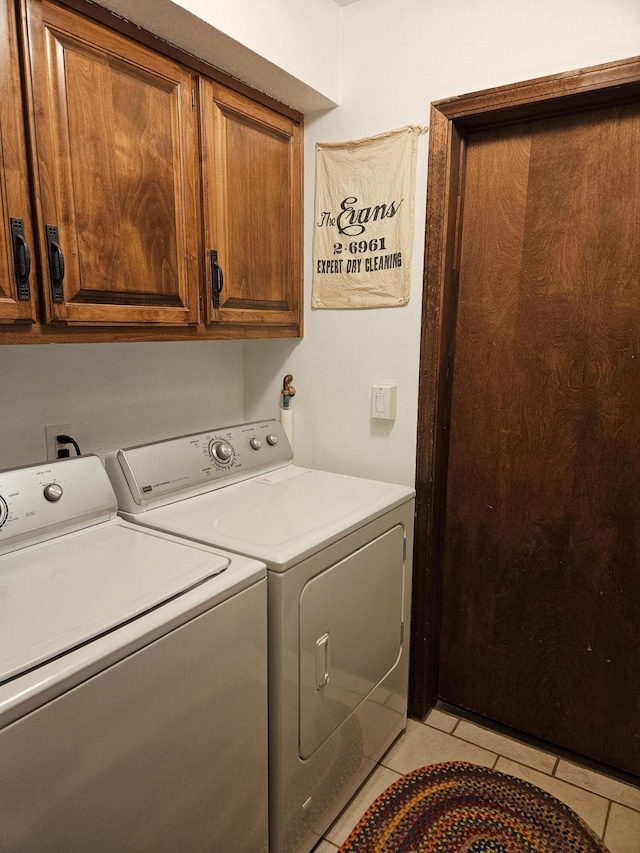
(281, 517)
(63, 593)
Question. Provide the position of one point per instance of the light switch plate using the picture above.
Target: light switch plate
(383, 401)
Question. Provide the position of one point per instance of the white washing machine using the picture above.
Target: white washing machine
(338, 553)
(132, 666)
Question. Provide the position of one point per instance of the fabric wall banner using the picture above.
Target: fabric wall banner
(363, 228)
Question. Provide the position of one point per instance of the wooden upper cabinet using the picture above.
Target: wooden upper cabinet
(115, 174)
(17, 300)
(252, 210)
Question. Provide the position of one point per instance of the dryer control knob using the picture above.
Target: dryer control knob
(272, 439)
(4, 511)
(53, 492)
(221, 451)
(255, 443)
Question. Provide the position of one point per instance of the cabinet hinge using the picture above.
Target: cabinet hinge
(193, 99)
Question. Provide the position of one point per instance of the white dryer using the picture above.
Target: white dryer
(132, 666)
(338, 554)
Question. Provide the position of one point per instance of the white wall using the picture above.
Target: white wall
(280, 31)
(115, 395)
(398, 56)
(286, 48)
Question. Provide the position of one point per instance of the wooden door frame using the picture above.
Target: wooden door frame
(451, 121)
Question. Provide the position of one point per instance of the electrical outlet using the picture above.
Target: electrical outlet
(50, 436)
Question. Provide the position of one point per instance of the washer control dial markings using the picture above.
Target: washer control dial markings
(221, 451)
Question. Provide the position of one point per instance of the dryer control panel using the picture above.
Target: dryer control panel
(152, 475)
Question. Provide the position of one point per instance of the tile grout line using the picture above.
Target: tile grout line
(438, 729)
(515, 760)
(552, 773)
(589, 790)
(500, 755)
(606, 820)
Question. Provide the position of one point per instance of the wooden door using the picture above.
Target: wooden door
(115, 160)
(252, 210)
(17, 291)
(540, 555)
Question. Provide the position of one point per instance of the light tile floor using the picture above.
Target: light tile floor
(610, 807)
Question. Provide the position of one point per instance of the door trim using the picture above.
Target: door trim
(452, 120)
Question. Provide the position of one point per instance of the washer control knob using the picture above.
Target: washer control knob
(4, 511)
(221, 451)
(272, 439)
(53, 492)
(255, 443)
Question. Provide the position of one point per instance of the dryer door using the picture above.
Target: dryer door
(350, 635)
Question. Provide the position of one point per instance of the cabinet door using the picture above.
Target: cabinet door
(115, 164)
(17, 302)
(252, 210)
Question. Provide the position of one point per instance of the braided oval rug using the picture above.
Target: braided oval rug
(462, 808)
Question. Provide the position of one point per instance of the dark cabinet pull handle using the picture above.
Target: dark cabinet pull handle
(21, 259)
(56, 263)
(217, 278)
